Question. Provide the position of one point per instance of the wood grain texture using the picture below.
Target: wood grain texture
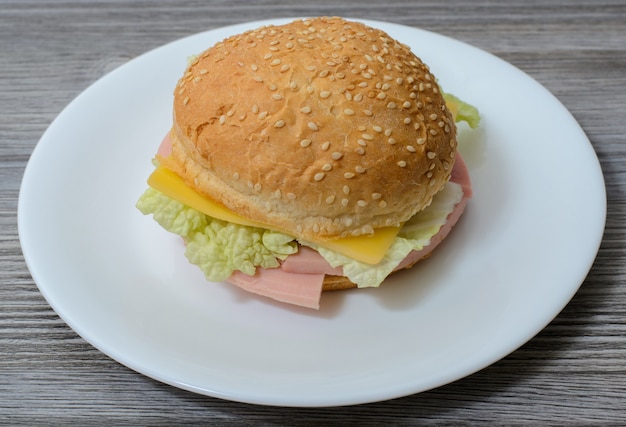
(573, 372)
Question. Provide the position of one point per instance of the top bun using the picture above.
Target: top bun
(321, 128)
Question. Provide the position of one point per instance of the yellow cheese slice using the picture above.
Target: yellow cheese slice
(369, 249)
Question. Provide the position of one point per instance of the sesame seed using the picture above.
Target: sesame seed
(255, 109)
(407, 120)
(391, 141)
(186, 101)
(344, 202)
(323, 73)
(257, 187)
(284, 68)
(410, 148)
(325, 146)
(402, 163)
(346, 190)
(433, 132)
(363, 84)
(358, 97)
(391, 105)
(204, 71)
(305, 142)
(376, 196)
(327, 167)
(382, 204)
(305, 110)
(279, 124)
(359, 169)
(348, 112)
(324, 94)
(431, 155)
(367, 136)
(361, 142)
(222, 119)
(381, 95)
(421, 141)
(433, 117)
(367, 75)
(359, 150)
(312, 126)
(262, 115)
(319, 176)
(267, 56)
(361, 203)
(340, 75)
(277, 96)
(406, 104)
(336, 155)
(348, 175)
(387, 132)
(368, 113)
(399, 80)
(330, 199)
(386, 86)
(272, 87)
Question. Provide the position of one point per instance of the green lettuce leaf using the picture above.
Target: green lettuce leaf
(217, 247)
(415, 235)
(462, 111)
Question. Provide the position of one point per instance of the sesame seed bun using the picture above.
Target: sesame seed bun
(320, 128)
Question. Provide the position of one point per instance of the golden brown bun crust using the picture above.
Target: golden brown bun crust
(320, 128)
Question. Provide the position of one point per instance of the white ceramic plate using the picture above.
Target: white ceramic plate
(525, 245)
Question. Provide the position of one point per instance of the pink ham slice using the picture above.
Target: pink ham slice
(165, 149)
(308, 261)
(291, 283)
(293, 288)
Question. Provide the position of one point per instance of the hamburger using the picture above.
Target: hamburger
(312, 156)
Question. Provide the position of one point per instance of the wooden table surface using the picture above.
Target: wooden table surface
(572, 371)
